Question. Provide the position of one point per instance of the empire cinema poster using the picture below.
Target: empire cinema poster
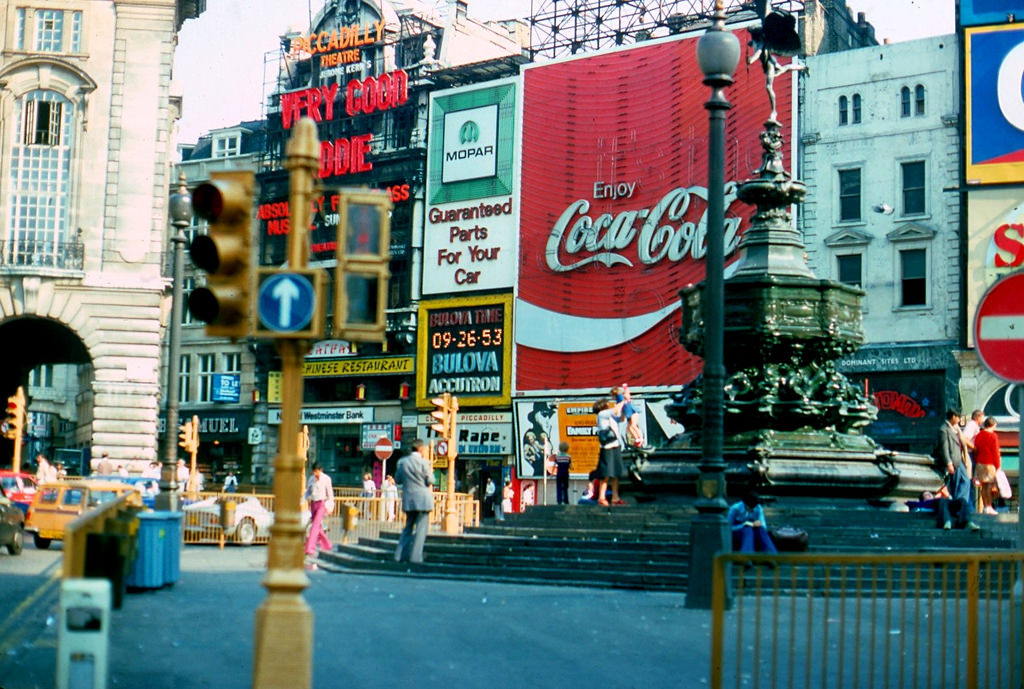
(613, 210)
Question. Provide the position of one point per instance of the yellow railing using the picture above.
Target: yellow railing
(928, 620)
(205, 517)
(114, 517)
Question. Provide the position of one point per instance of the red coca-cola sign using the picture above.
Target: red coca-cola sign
(614, 176)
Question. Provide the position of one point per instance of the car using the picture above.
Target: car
(19, 487)
(55, 505)
(149, 487)
(12, 526)
(252, 521)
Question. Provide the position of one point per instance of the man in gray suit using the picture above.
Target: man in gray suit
(416, 477)
(951, 457)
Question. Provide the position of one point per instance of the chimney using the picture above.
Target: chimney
(461, 9)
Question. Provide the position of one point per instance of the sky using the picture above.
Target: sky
(219, 62)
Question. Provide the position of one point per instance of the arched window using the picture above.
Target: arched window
(39, 185)
(856, 108)
(844, 112)
(905, 102)
(919, 100)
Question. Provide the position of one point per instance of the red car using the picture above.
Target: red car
(18, 487)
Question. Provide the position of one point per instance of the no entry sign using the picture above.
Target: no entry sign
(383, 448)
(999, 328)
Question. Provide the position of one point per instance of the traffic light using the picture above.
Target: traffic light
(361, 277)
(14, 425)
(224, 252)
(442, 414)
(188, 437)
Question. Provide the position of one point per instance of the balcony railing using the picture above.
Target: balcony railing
(41, 253)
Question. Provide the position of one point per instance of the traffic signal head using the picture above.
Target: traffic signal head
(185, 436)
(361, 278)
(442, 415)
(14, 424)
(224, 252)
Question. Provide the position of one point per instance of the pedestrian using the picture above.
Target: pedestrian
(562, 463)
(950, 455)
(506, 498)
(949, 512)
(390, 494)
(61, 471)
(749, 528)
(181, 474)
(121, 471)
(987, 461)
(629, 414)
(972, 427)
(152, 470)
(230, 482)
(105, 467)
(489, 492)
(320, 494)
(610, 466)
(45, 472)
(416, 476)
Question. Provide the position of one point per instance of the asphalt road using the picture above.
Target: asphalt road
(370, 631)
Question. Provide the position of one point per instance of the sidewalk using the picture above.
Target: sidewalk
(379, 631)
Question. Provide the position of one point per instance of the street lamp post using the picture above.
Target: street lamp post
(180, 211)
(718, 52)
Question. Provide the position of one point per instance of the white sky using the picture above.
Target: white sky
(219, 61)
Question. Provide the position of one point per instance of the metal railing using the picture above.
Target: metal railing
(204, 517)
(116, 516)
(927, 620)
(42, 253)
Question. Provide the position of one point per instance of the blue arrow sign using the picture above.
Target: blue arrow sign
(286, 302)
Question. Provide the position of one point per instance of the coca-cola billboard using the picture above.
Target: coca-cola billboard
(613, 210)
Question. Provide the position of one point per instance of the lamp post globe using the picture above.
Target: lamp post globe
(718, 53)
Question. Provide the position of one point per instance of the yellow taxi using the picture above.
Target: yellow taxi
(55, 505)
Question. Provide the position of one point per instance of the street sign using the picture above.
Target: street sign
(441, 449)
(383, 448)
(999, 329)
(288, 303)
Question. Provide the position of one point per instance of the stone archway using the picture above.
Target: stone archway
(114, 329)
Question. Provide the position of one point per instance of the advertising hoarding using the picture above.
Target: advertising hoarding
(994, 65)
(995, 241)
(464, 349)
(613, 188)
(976, 12)
(469, 234)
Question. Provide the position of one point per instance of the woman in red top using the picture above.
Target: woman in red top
(987, 461)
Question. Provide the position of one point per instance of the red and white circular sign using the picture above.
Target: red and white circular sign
(383, 448)
(999, 328)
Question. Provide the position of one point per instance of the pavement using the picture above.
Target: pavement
(372, 631)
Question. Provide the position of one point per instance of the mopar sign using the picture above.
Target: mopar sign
(470, 144)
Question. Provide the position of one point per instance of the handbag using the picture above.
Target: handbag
(1004, 485)
(606, 435)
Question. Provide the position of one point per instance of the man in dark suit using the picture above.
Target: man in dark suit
(416, 477)
(950, 457)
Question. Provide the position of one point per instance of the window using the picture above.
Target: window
(844, 110)
(233, 363)
(856, 108)
(913, 187)
(849, 195)
(184, 373)
(207, 367)
(41, 376)
(49, 31)
(225, 146)
(19, 36)
(919, 100)
(39, 186)
(186, 289)
(913, 278)
(905, 102)
(849, 267)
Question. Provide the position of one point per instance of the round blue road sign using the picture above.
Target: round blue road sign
(286, 302)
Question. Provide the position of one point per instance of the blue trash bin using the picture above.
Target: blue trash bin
(172, 547)
(147, 571)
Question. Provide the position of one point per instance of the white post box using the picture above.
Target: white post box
(84, 634)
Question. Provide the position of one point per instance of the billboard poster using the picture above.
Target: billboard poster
(612, 224)
(995, 242)
(975, 12)
(464, 349)
(994, 65)
(469, 234)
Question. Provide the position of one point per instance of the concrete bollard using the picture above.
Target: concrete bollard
(84, 635)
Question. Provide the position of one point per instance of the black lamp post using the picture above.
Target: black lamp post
(180, 211)
(718, 53)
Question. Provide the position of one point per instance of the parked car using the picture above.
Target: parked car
(18, 487)
(56, 505)
(12, 526)
(149, 487)
(252, 521)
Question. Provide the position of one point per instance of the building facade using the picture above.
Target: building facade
(86, 112)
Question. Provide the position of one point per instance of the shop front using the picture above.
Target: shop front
(223, 442)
